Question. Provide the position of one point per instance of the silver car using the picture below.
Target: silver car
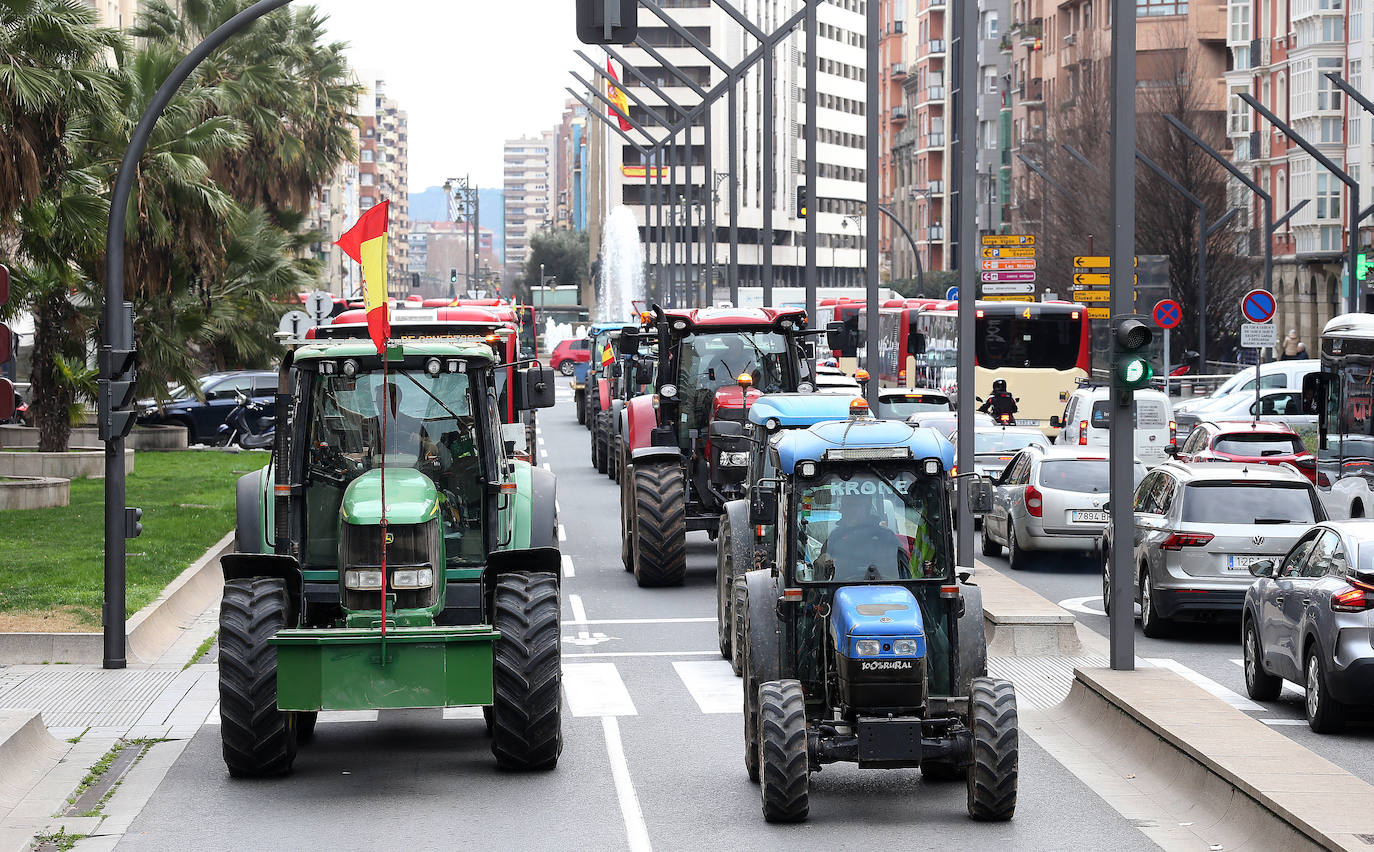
(1049, 499)
(1309, 619)
(1199, 527)
(995, 446)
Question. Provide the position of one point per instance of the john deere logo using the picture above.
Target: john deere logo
(390, 537)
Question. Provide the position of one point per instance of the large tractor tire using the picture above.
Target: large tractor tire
(660, 524)
(596, 445)
(580, 403)
(784, 761)
(739, 596)
(760, 657)
(612, 455)
(526, 730)
(734, 553)
(599, 438)
(992, 774)
(258, 739)
(627, 519)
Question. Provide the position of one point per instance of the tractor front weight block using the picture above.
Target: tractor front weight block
(355, 669)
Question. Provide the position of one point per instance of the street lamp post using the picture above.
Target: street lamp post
(859, 226)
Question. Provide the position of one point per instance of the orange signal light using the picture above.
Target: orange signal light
(861, 375)
(745, 380)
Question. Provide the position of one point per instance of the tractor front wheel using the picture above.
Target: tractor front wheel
(660, 524)
(525, 725)
(258, 739)
(992, 774)
(579, 402)
(783, 755)
(627, 520)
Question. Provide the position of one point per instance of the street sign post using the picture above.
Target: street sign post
(1006, 276)
(1095, 261)
(1258, 306)
(1024, 263)
(1020, 297)
(1097, 279)
(1099, 313)
(1092, 295)
(1009, 252)
(1258, 335)
(1008, 239)
(951, 294)
(1167, 315)
(1003, 289)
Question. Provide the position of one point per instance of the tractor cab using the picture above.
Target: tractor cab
(859, 636)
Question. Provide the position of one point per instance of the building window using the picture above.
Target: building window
(1240, 23)
(365, 179)
(991, 26)
(1240, 116)
(1328, 97)
(367, 155)
(1154, 8)
(1328, 197)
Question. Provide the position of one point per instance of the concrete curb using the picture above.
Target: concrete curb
(1220, 754)
(1020, 623)
(27, 752)
(151, 630)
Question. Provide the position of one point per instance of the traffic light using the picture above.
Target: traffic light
(452, 276)
(607, 21)
(1362, 264)
(115, 407)
(133, 526)
(1131, 370)
(7, 349)
(802, 202)
(414, 280)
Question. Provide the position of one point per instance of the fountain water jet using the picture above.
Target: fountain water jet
(622, 270)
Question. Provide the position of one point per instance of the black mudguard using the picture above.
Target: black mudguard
(973, 643)
(246, 566)
(543, 509)
(535, 559)
(248, 494)
(764, 629)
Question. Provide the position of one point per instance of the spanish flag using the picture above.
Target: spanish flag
(617, 97)
(365, 242)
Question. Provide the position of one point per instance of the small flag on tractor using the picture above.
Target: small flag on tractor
(365, 242)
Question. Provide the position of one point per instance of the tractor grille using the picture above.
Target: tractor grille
(412, 546)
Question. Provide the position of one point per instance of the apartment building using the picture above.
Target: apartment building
(384, 175)
(836, 201)
(116, 14)
(530, 175)
(571, 169)
(921, 149)
(333, 210)
(894, 116)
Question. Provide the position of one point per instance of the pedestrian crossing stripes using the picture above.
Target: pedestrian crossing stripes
(713, 685)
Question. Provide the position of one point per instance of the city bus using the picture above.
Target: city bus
(1041, 349)
(1341, 394)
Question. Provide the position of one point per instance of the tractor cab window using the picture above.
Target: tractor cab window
(708, 362)
(407, 419)
(870, 524)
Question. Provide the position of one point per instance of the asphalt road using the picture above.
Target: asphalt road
(652, 756)
(1208, 653)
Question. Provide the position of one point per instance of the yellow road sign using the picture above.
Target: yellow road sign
(1088, 279)
(1008, 252)
(1008, 239)
(1099, 313)
(1092, 295)
(1008, 264)
(1002, 297)
(1095, 261)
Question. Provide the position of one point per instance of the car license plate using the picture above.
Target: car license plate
(1242, 563)
(1082, 517)
(1022, 421)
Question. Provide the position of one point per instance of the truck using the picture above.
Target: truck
(861, 644)
(712, 363)
(1340, 396)
(393, 554)
(740, 545)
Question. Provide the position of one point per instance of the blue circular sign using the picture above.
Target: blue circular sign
(1258, 306)
(1168, 313)
(952, 293)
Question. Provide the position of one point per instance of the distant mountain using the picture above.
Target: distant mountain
(431, 206)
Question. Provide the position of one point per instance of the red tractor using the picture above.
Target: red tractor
(684, 451)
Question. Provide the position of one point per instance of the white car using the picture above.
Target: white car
(832, 383)
(1089, 412)
(1275, 405)
(1276, 375)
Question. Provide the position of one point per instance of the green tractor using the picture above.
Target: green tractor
(394, 554)
(860, 643)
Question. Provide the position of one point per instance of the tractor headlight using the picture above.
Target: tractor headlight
(806, 469)
(434, 366)
(350, 368)
(421, 578)
(867, 647)
(679, 325)
(905, 647)
(362, 580)
(734, 459)
(805, 387)
(668, 391)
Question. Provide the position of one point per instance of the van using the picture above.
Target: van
(1275, 375)
(1089, 413)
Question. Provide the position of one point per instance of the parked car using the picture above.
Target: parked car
(1276, 375)
(1199, 528)
(203, 409)
(569, 353)
(901, 403)
(1088, 415)
(833, 380)
(995, 446)
(1049, 499)
(1260, 442)
(1307, 620)
(1279, 406)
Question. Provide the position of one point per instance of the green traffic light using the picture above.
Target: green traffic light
(1136, 373)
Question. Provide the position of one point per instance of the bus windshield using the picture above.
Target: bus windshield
(1013, 340)
(866, 524)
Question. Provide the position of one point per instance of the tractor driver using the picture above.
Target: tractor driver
(403, 431)
(861, 546)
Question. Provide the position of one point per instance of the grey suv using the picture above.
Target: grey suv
(1309, 619)
(1199, 527)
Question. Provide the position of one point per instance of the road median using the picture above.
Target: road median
(1020, 623)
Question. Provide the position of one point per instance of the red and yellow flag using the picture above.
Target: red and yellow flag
(365, 242)
(617, 97)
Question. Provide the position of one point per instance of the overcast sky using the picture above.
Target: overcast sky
(470, 73)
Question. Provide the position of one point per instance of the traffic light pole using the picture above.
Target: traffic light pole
(812, 164)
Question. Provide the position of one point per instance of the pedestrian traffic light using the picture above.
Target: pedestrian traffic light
(801, 202)
(115, 405)
(1131, 370)
(7, 349)
(133, 526)
(1362, 264)
(452, 276)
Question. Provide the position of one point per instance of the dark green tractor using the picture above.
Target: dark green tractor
(394, 555)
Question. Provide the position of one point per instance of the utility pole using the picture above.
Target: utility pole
(812, 164)
(966, 176)
(872, 133)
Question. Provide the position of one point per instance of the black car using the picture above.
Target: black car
(219, 390)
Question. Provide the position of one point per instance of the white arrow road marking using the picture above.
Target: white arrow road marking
(579, 612)
(635, 831)
(585, 638)
(1081, 605)
(713, 685)
(595, 689)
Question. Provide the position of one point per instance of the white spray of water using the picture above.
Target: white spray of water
(622, 270)
(557, 332)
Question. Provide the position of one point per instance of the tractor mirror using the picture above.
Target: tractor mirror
(763, 503)
(1314, 387)
(979, 495)
(726, 429)
(810, 350)
(628, 341)
(840, 337)
(1055, 422)
(534, 388)
(644, 373)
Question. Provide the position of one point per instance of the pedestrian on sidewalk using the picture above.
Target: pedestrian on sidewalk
(1291, 348)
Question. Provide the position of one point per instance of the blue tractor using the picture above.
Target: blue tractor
(861, 644)
(742, 546)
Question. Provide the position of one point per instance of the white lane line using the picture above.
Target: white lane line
(567, 657)
(595, 689)
(568, 571)
(578, 610)
(1235, 699)
(1277, 722)
(713, 685)
(711, 620)
(635, 831)
(1292, 690)
(462, 712)
(562, 531)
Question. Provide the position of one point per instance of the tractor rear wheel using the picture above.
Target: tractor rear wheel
(740, 596)
(627, 520)
(526, 732)
(599, 438)
(613, 463)
(258, 739)
(660, 524)
(992, 775)
(783, 756)
(579, 402)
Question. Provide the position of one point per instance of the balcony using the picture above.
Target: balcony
(1032, 32)
(899, 113)
(936, 187)
(898, 70)
(936, 232)
(933, 140)
(1005, 44)
(935, 47)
